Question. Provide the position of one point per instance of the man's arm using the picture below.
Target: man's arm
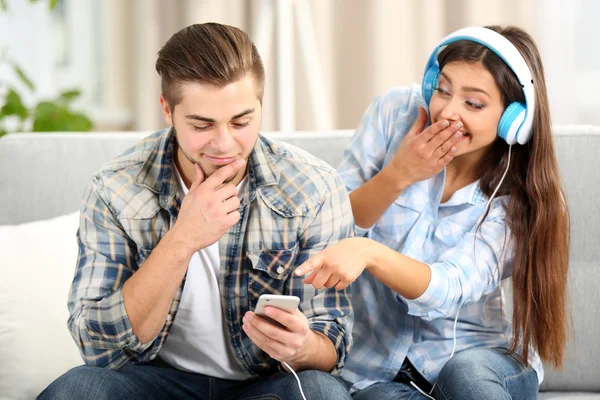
(116, 310)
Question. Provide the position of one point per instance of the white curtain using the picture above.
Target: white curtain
(363, 48)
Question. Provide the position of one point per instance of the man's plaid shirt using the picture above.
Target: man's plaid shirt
(293, 207)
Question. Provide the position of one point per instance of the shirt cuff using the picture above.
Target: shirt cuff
(358, 231)
(334, 334)
(109, 327)
(429, 304)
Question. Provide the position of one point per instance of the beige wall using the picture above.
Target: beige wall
(364, 46)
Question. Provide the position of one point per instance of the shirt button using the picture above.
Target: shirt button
(280, 270)
(425, 372)
(169, 317)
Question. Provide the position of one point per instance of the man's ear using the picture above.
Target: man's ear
(166, 110)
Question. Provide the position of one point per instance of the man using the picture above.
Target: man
(181, 234)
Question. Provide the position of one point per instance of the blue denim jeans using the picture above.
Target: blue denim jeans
(480, 373)
(160, 381)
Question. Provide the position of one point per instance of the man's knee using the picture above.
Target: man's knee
(318, 384)
(82, 382)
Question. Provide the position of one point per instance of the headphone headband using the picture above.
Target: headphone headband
(510, 55)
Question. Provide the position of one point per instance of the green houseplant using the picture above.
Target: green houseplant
(47, 115)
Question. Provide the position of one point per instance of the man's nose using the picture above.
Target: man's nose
(222, 140)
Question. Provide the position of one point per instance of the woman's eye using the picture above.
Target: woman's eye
(441, 91)
(476, 106)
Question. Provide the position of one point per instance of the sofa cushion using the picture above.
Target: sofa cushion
(38, 261)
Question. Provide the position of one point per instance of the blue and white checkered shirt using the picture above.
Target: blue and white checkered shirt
(293, 207)
(466, 270)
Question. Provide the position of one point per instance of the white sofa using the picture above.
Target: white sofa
(42, 177)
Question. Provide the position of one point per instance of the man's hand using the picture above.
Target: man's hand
(289, 342)
(209, 209)
(423, 153)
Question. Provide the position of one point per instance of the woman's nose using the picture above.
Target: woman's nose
(449, 113)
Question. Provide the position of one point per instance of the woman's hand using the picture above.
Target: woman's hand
(423, 153)
(337, 266)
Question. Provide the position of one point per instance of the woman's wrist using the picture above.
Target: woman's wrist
(368, 251)
(395, 178)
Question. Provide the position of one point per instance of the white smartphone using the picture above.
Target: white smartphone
(284, 302)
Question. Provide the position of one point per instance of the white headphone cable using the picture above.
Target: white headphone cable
(296, 376)
(460, 305)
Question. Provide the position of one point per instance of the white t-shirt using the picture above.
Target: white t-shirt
(198, 341)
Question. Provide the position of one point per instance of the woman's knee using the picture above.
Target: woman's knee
(477, 372)
(473, 364)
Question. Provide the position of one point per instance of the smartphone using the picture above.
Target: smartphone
(284, 302)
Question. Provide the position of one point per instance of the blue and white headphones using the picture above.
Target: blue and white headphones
(516, 123)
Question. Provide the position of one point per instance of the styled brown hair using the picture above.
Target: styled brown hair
(208, 53)
(537, 212)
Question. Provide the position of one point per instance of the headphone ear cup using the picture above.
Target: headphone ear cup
(430, 81)
(511, 121)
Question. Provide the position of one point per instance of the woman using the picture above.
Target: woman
(444, 213)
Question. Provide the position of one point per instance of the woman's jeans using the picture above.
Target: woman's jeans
(479, 373)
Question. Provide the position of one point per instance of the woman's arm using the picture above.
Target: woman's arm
(422, 154)
(468, 271)
(340, 265)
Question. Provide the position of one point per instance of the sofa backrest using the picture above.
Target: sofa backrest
(44, 175)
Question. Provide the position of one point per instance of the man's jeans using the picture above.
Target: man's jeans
(156, 380)
(480, 373)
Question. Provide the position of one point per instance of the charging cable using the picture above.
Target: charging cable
(296, 376)
(429, 395)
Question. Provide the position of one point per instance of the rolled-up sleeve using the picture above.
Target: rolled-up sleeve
(384, 124)
(329, 311)
(470, 270)
(98, 320)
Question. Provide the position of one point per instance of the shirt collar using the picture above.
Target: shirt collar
(262, 169)
(470, 194)
(158, 171)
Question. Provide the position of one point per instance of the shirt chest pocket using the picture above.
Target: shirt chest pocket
(394, 226)
(269, 271)
(451, 233)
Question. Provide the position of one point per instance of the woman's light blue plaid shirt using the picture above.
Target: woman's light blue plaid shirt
(465, 269)
(293, 207)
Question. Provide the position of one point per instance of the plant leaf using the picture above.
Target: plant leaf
(69, 95)
(13, 106)
(2, 132)
(53, 4)
(24, 78)
(3, 5)
(52, 116)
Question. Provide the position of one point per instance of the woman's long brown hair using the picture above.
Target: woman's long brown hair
(537, 213)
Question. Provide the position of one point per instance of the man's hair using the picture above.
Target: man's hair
(209, 53)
